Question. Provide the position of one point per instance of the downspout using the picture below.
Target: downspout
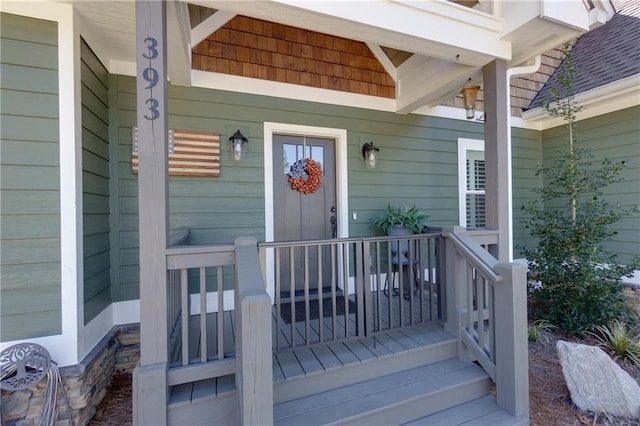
(514, 72)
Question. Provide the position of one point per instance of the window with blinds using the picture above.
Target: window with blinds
(475, 189)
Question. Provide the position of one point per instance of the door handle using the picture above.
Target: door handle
(334, 227)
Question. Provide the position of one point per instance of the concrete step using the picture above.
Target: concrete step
(393, 398)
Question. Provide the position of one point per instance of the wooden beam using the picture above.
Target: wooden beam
(209, 26)
(497, 154)
(150, 376)
(424, 81)
(178, 41)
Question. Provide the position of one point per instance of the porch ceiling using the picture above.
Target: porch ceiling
(449, 42)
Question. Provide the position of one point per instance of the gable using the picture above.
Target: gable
(255, 48)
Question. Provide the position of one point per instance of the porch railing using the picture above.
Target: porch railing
(326, 290)
(490, 301)
(196, 338)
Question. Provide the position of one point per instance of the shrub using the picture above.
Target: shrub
(579, 281)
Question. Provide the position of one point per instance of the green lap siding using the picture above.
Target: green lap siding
(30, 301)
(418, 165)
(615, 136)
(95, 184)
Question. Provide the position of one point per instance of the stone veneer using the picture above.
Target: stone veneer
(85, 384)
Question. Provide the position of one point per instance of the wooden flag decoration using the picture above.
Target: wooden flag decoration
(191, 153)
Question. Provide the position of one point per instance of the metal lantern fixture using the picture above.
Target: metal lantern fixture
(470, 94)
(238, 143)
(370, 154)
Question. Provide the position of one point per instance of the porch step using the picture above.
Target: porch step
(344, 363)
(479, 412)
(391, 399)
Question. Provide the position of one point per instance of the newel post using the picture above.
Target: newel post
(512, 363)
(455, 298)
(254, 368)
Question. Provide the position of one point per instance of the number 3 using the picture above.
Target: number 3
(153, 107)
(151, 45)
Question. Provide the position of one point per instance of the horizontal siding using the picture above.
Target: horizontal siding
(418, 166)
(527, 156)
(95, 184)
(30, 300)
(615, 136)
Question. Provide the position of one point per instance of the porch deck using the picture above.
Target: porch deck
(299, 362)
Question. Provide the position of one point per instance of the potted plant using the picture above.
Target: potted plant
(395, 218)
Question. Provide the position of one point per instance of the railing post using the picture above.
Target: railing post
(455, 291)
(254, 368)
(512, 371)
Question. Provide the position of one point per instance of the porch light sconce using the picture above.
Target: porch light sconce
(370, 154)
(470, 94)
(238, 143)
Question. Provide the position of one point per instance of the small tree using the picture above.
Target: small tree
(578, 281)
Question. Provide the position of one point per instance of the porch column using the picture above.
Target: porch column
(497, 155)
(150, 375)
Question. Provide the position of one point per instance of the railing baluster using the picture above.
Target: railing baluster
(278, 296)
(361, 292)
(292, 295)
(345, 284)
(220, 313)
(378, 324)
(203, 315)
(184, 284)
(306, 296)
(320, 296)
(480, 301)
(470, 298)
(334, 284)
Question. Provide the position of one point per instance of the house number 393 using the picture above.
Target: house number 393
(150, 74)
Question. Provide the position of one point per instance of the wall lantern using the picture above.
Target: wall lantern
(238, 142)
(370, 154)
(470, 94)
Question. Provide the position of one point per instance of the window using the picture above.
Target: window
(471, 183)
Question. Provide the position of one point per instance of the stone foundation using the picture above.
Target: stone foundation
(85, 384)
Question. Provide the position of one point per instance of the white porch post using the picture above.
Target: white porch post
(150, 375)
(497, 153)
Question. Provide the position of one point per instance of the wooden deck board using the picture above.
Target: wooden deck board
(308, 360)
(317, 357)
(326, 357)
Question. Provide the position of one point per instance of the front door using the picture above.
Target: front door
(300, 216)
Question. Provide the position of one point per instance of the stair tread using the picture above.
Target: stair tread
(377, 393)
(479, 412)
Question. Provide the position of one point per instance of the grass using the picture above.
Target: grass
(620, 340)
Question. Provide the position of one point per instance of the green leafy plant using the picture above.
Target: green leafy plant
(539, 328)
(620, 340)
(577, 280)
(410, 217)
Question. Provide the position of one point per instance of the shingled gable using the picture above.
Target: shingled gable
(605, 55)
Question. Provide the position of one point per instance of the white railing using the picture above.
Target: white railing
(488, 312)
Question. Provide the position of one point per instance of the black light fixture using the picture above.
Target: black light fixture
(370, 154)
(470, 94)
(238, 142)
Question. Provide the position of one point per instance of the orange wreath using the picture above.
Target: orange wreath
(313, 171)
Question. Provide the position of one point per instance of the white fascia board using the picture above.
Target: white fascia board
(256, 86)
(437, 21)
(387, 23)
(601, 100)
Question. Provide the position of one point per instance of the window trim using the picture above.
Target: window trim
(465, 145)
